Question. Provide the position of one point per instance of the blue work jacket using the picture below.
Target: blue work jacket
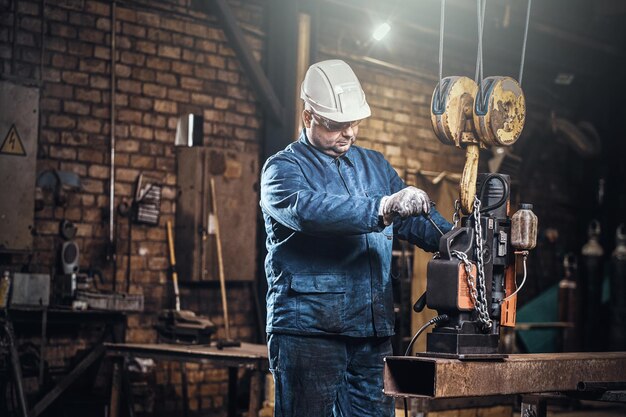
(328, 252)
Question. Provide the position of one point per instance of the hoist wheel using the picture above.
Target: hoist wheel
(499, 111)
(452, 108)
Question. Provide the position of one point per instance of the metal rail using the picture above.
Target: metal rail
(517, 374)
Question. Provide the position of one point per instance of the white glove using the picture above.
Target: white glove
(407, 202)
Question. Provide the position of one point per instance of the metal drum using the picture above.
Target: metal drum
(452, 108)
(499, 111)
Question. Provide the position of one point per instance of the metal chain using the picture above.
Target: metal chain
(457, 213)
(483, 314)
(470, 278)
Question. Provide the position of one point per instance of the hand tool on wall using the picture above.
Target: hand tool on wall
(220, 263)
(182, 326)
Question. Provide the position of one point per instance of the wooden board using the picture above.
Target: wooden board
(236, 180)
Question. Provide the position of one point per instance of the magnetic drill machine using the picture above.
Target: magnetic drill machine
(471, 281)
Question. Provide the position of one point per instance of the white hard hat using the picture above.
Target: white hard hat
(333, 91)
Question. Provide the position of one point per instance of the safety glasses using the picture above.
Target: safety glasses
(333, 126)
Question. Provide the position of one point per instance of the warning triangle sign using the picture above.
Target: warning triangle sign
(12, 144)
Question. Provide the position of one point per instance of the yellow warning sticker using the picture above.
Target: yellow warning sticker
(12, 144)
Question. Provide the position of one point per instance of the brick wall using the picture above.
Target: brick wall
(170, 60)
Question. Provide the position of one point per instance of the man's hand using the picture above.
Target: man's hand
(407, 202)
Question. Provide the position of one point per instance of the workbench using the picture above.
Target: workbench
(45, 322)
(249, 356)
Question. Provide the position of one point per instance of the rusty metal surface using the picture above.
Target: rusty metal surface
(253, 356)
(517, 374)
(503, 121)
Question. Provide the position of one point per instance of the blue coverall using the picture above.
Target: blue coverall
(329, 302)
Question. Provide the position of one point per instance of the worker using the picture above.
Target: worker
(331, 209)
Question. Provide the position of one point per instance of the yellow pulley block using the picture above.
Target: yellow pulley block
(499, 111)
(452, 109)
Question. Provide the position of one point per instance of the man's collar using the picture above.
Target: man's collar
(347, 157)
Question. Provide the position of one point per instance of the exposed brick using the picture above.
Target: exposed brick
(205, 73)
(129, 86)
(104, 24)
(174, 25)
(245, 134)
(63, 122)
(133, 30)
(91, 35)
(191, 84)
(182, 68)
(154, 90)
(96, 81)
(64, 61)
(149, 19)
(76, 107)
(142, 162)
(75, 78)
(90, 125)
(141, 103)
(192, 56)
(165, 164)
(164, 106)
(146, 47)
(223, 103)
(235, 119)
(215, 61)
(93, 66)
(205, 45)
(127, 145)
(144, 74)
(93, 96)
(130, 116)
(56, 44)
(62, 152)
(99, 171)
(123, 71)
(155, 120)
(228, 76)
(166, 79)
(64, 31)
(141, 132)
(158, 63)
(80, 48)
(126, 14)
(182, 40)
(97, 7)
(102, 52)
(202, 99)
(166, 51)
(50, 104)
(132, 58)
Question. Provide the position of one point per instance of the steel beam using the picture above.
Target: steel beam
(259, 80)
(518, 374)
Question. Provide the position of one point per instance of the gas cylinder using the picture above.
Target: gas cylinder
(617, 339)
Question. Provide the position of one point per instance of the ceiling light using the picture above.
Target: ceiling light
(381, 31)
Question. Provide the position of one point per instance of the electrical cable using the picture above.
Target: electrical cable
(523, 280)
(438, 319)
(504, 197)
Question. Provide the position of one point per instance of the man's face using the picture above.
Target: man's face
(330, 137)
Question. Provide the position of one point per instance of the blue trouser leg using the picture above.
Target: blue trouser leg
(324, 377)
